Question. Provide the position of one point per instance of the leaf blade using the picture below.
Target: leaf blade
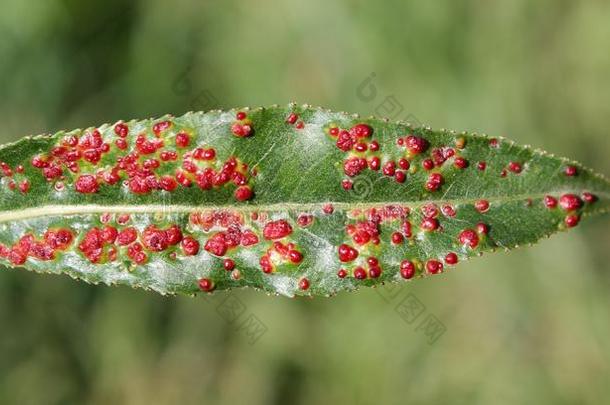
(299, 173)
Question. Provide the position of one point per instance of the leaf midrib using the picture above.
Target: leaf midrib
(57, 210)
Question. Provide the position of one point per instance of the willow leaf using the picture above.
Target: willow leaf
(290, 200)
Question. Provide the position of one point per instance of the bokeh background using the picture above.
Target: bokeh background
(532, 326)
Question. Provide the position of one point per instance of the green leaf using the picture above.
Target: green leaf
(261, 198)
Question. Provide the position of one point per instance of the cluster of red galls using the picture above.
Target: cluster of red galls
(101, 244)
(207, 178)
(275, 230)
(293, 119)
(220, 242)
(243, 126)
(7, 171)
(28, 246)
(570, 203)
(367, 231)
(355, 140)
(140, 166)
(70, 153)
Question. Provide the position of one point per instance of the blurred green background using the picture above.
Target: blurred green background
(532, 326)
